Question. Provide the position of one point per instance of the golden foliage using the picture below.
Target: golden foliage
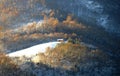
(7, 11)
(65, 55)
(68, 55)
(6, 62)
(1, 33)
(9, 68)
(1, 28)
(53, 21)
(72, 22)
(68, 19)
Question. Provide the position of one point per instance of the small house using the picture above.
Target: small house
(60, 40)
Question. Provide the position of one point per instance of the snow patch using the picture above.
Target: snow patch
(32, 51)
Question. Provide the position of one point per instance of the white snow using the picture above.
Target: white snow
(32, 51)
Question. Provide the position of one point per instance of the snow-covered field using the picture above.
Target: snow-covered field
(32, 51)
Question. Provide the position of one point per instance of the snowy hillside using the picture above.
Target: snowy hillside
(32, 51)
